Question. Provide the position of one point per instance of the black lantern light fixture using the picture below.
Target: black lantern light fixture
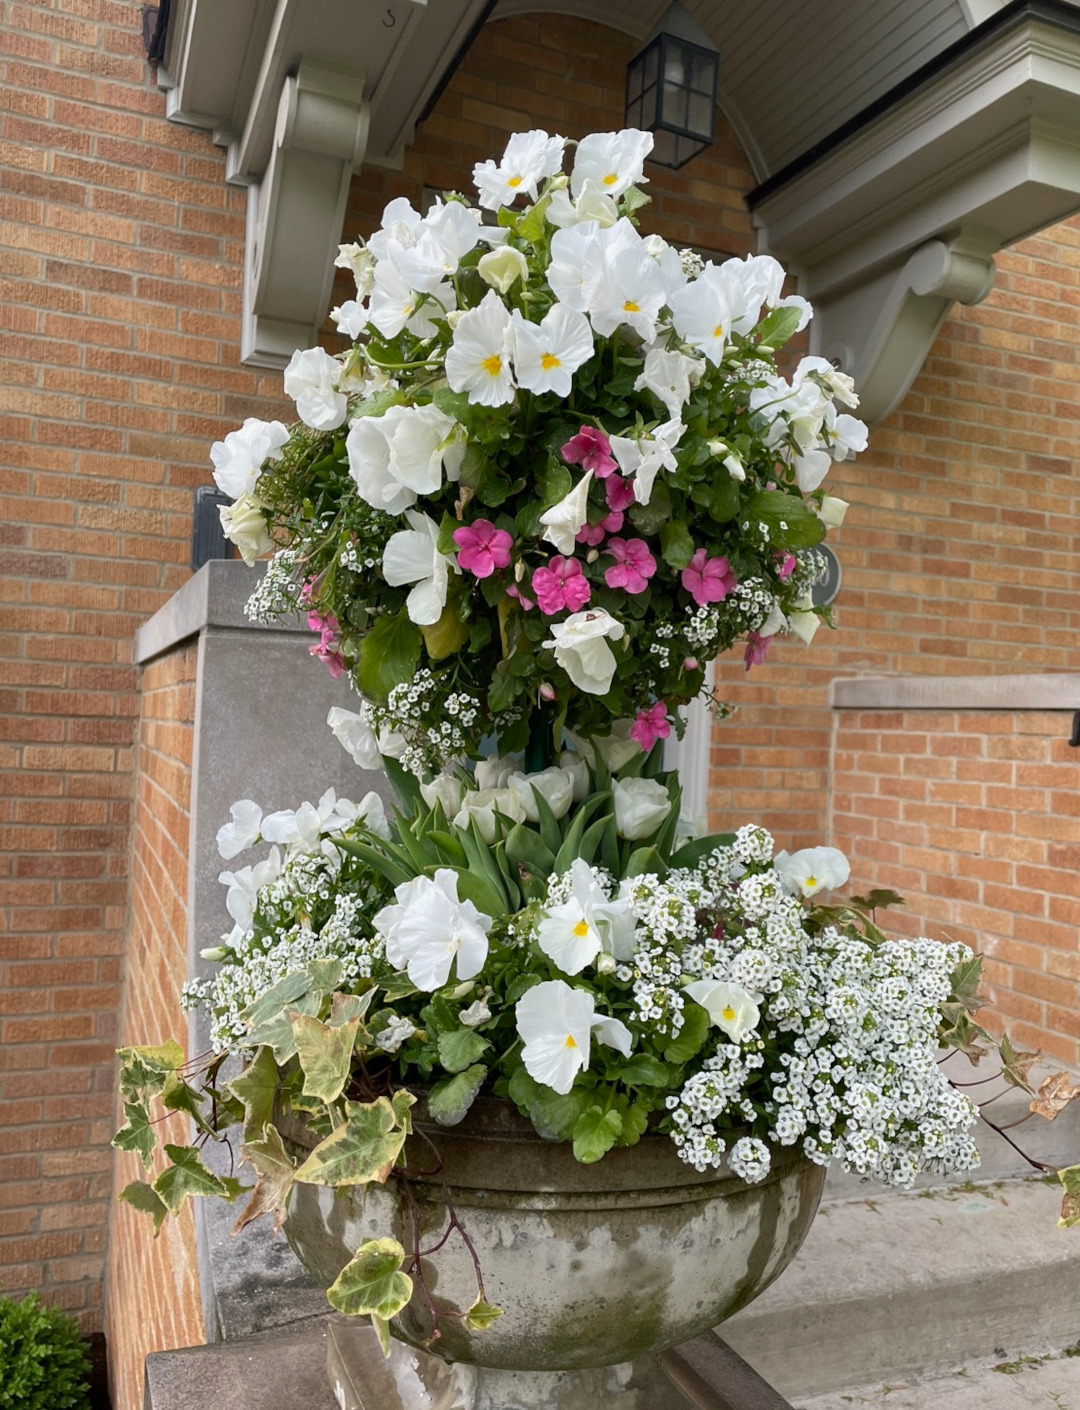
(671, 88)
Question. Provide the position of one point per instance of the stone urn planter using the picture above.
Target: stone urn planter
(593, 1265)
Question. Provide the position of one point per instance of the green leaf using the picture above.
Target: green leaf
(450, 846)
(525, 849)
(362, 1150)
(690, 853)
(277, 1032)
(724, 498)
(1070, 1203)
(523, 1089)
(276, 1173)
(676, 545)
(645, 861)
(480, 1316)
(595, 1132)
(460, 1048)
(635, 1122)
(643, 1070)
(633, 199)
(146, 1200)
(388, 656)
(790, 522)
(692, 1035)
(449, 1100)
(187, 1177)
(144, 1071)
(480, 891)
(270, 1003)
(555, 1116)
(877, 899)
(372, 1284)
(137, 1133)
(532, 225)
(325, 1054)
(257, 1088)
(398, 986)
(778, 326)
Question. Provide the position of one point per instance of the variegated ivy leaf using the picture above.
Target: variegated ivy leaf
(277, 1032)
(144, 1071)
(1070, 1203)
(256, 1088)
(362, 1150)
(187, 1176)
(480, 1316)
(325, 1054)
(1016, 1065)
(146, 1200)
(276, 1172)
(372, 1284)
(1055, 1094)
(137, 1133)
(345, 1007)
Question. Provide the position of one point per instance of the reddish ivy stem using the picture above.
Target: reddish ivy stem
(1035, 1164)
(414, 1264)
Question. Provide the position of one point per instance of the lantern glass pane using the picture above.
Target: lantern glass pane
(664, 148)
(700, 119)
(652, 64)
(673, 113)
(634, 82)
(703, 72)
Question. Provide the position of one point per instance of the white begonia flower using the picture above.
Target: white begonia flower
(592, 204)
(429, 931)
(446, 789)
(702, 313)
(244, 887)
(238, 459)
(669, 376)
(397, 1031)
(581, 649)
(311, 380)
(243, 832)
(556, 785)
(478, 360)
(547, 354)
(529, 158)
(481, 805)
(502, 268)
(556, 1023)
(586, 925)
(493, 771)
(813, 870)
(644, 458)
(563, 520)
(578, 769)
(395, 457)
(730, 1007)
(832, 510)
(244, 524)
(359, 259)
(477, 1013)
(350, 319)
(613, 161)
(641, 805)
(412, 556)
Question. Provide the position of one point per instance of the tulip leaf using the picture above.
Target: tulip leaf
(388, 656)
(146, 1200)
(692, 1035)
(187, 1177)
(372, 1284)
(325, 1054)
(690, 853)
(595, 1132)
(360, 1151)
(449, 1100)
(460, 1048)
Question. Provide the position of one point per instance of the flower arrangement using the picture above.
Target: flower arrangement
(555, 474)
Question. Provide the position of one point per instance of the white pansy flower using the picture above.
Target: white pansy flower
(641, 805)
(477, 1013)
(729, 1006)
(845, 435)
(502, 268)
(587, 924)
(556, 1023)
(556, 785)
(397, 1031)
(613, 161)
(646, 456)
(669, 376)
(446, 789)
(395, 304)
(239, 458)
(395, 457)
(400, 224)
(702, 313)
(303, 828)
(243, 832)
(244, 887)
(581, 649)
(311, 380)
(547, 354)
(350, 319)
(623, 283)
(593, 203)
(371, 813)
(493, 771)
(813, 870)
(563, 520)
(529, 158)
(244, 524)
(837, 385)
(832, 510)
(429, 931)
(359, 259)
(478, 360)
(450, 231)
(482, 804)
(570, 273)
(412, 556)
(811, 468)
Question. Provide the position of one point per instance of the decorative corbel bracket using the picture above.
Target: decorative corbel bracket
(295, 210)
(881, 331)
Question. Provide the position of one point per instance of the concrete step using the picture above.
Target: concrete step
(886, 1287)
(1006, 1385)
(282, 1369)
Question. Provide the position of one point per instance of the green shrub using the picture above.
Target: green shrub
(44, 1362)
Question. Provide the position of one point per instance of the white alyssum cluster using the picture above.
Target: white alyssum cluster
(278, 592)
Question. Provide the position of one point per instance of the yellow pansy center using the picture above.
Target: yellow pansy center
(611, 178)
(631, 307)
(811, 882)
(570, 1041)
(548, 361)
(492, 365)
(718, 332)
(515, 181)
(581, 929)
(729, 1014)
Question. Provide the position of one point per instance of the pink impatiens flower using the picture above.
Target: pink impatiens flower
(651, 724)
(590, 449)
(593, 534)
(707, 579)
(787, 567)
(527, 603)
(325, 649)
(620, 493)
(634, 564)
(482, 547)
(757, 648)
(560, 585)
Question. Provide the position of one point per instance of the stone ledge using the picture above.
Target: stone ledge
(1027, 692)
(212, 597)
(278, 1370)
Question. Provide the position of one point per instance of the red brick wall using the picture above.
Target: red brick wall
(152, 1299)
(975, 817)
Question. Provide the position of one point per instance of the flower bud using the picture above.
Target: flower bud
(832, 511)
(690, 664)
(215, 952)
(605, 964)
(502, 268)
(546, 691)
